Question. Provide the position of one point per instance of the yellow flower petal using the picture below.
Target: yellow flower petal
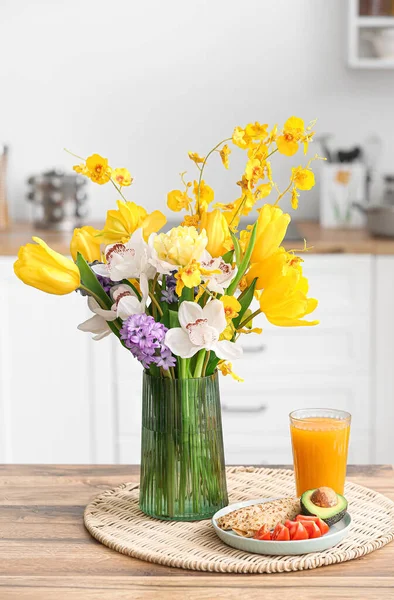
(41, 267)
(122, 177)
(272, 225)
(120, 224)
(231, 307)
(178, 200)
(86, 242)
(99, 170)
(226, 368)
(224, 154)
(195, 157)
(217, 230)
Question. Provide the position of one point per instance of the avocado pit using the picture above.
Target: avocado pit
(324, 497)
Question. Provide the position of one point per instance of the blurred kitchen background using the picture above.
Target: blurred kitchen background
(142, 83)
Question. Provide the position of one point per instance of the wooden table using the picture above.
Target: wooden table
(46, 553)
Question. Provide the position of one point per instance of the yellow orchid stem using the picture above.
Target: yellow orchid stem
(283, 193)
(155, 302)
(204, 367)
(271, 153)
(98, 300)
(118, 190)
(240, 208)
(75, 155)
(249, 318)
(202, 170)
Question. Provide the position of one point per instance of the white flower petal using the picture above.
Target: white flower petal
(129, 305)
(227, 350)
(214, 312)
(189, 312)
(179, 343)
(101, 270)
(214, 286)
(116, 290)
(95, 325)
(101, 336)
(144, 288)
(108, 315)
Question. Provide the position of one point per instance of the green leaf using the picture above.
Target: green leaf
(237, 248)
(90, 282)
(228, 257)
(187, 294)
(173, 319)
(245, 302)
(212, 364)
(245, 262)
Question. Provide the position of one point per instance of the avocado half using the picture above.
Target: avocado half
(328, 514)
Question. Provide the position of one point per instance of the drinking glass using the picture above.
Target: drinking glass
(320, 440)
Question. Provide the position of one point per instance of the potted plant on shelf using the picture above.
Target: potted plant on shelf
(178, 301)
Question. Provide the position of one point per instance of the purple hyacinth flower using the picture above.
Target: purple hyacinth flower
(144, 337)
(165, 359)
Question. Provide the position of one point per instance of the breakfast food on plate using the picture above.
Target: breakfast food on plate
(247, 521)
(323, 502)
(303, 528)
(281, 521)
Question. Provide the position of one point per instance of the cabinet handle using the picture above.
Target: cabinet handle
(244, 409)
(254, 349)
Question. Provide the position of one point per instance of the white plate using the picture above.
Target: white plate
(335, 535)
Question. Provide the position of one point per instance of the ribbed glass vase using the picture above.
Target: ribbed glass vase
(182, 459)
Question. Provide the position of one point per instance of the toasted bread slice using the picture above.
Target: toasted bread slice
(247, 521)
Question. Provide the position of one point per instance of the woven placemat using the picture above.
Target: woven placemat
(114, 519)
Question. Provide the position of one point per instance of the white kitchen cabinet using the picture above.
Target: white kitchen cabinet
(46, 397)
(65, 398)
(382, 414)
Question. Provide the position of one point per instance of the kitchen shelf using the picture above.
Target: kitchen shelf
(360, 50)
(374, 22)
(372, 63)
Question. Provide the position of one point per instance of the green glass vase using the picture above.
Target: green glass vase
(182, 459)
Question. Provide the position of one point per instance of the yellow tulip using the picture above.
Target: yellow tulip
(219, 239)
(272, 267)
(85, 242)
(272, 225)
(120, 224)
(284, 302)
(43, 268)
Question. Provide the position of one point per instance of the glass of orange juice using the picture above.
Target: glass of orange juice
(320, 439)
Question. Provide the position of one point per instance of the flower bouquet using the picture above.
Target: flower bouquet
(179, 300)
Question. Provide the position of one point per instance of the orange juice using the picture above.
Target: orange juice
(320, 445)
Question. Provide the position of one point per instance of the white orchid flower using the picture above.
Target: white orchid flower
(126, 302)
(98, 324)
(217, 282)
(125, 261)
(200, 329)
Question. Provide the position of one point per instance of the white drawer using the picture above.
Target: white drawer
(339, 348)
(264, 408)
(342, 284)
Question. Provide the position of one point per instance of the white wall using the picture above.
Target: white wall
(142, 82)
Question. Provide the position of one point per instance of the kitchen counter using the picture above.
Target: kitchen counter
(46, 553)
(320, 240)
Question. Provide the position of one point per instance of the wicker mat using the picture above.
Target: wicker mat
(115, 520)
